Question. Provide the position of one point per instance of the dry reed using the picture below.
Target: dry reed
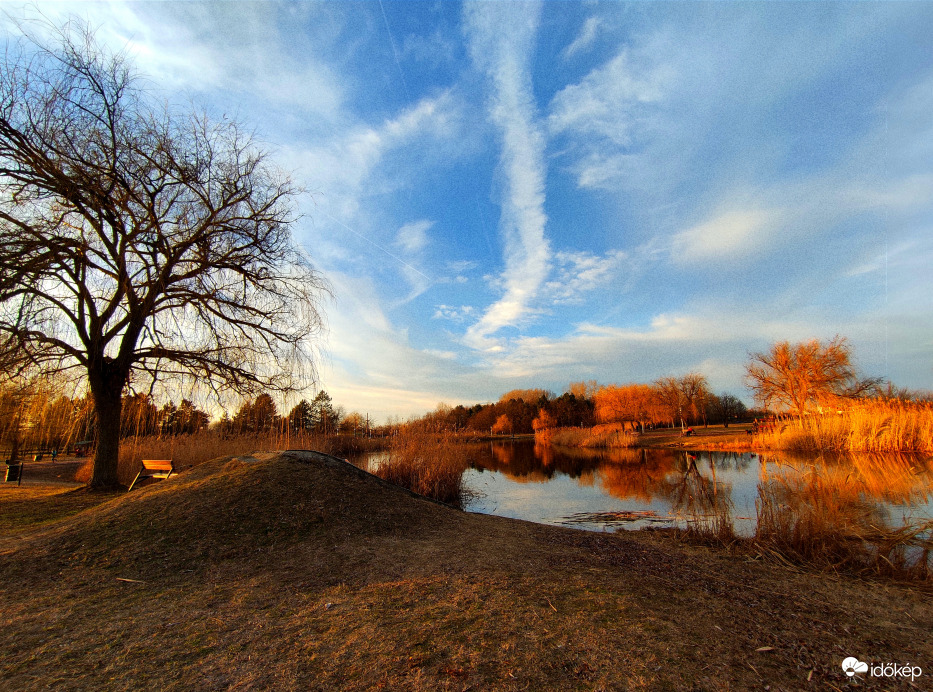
(609, 436)
(825, 518)
(430, 465)
(866, 426)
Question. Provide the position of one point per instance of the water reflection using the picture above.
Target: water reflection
(749, 493)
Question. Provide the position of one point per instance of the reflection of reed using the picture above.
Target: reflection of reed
(835, 519)
(891, 478)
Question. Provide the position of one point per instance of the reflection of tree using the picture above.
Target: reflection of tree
(522, 462)
(694, 495)
(642, 480)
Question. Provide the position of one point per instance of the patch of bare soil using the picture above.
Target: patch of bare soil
(302, 572)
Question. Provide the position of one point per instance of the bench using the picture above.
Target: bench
(154, 468)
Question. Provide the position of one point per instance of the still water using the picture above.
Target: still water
(635, 488)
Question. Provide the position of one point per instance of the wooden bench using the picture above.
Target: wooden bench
(154, 468)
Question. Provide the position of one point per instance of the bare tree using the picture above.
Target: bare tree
(695, 391)
(139, 241)
(799, 377)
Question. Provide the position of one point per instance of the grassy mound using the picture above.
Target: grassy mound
(234, 510)
(301, 572)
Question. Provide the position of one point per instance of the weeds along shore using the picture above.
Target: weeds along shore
(863, 426)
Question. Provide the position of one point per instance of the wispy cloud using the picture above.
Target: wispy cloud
(412, 238)
(584, 39)
(579, 273)
(504, 57)
(731, 236)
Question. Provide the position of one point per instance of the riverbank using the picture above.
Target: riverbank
(293, 572)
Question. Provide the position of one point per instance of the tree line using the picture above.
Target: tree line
(35, 417)
(670, 401)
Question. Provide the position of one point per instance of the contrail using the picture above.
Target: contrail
(377, 245)
(394, 51)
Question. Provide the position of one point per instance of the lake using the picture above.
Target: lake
(637, 488)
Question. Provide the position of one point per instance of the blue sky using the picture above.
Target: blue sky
(509, 195)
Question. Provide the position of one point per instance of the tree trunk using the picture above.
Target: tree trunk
(108, 405)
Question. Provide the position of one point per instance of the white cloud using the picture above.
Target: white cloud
(504, 58)
(730, 236)
(579, 273)
(413, 237)
(454, 314)
(608, 102)
(584, 39)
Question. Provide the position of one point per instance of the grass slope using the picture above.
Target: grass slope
(301, 572)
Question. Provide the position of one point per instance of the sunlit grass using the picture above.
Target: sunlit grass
(869, 426)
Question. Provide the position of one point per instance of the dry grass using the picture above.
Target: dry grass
(188, 451)
(610, 435)
(294, 573)
(428, 464)
(870, 426)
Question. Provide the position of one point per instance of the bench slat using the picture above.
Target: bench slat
(154, 468)
(157, 464)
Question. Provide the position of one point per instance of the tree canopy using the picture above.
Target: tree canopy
(141, 242)
(803, 376)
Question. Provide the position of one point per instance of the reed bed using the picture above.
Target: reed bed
(825, 519)
(829, 518)
(608, 436)
(428, 464)
(868, 426)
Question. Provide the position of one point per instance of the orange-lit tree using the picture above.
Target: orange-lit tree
(801, 377)
(638, 404)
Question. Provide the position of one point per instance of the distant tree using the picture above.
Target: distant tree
(726, 408)
(529, 396)
(140, 239)
(258, 415)
(139, 416)
(502, 426)
(804, 376)
(638, 404)
(301, 417)
(264, 412)
(671, 398)
(354, 423)
(584, 389)
(544, 421)
(571, 411)
(325, 416)
(695, 392)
